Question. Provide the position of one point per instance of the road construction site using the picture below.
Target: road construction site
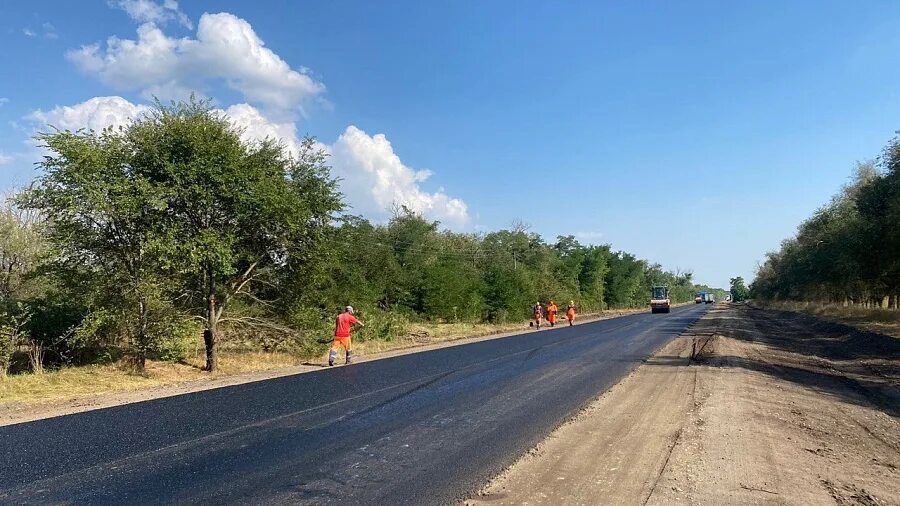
(721, 404)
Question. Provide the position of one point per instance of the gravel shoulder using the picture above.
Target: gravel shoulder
(748, 407)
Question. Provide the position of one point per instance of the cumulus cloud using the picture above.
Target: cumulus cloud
(375, 179)
(95, 114)
(3, 101)
(257, 127)
(226, 49)
(148, 11)
(4, 158)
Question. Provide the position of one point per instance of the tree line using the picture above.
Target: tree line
(134, 243)
(848, 252)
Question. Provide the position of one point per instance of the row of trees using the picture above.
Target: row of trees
(137, 241)
(848, 252)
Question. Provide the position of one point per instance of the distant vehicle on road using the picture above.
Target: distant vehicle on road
(698, 299)
(659, 300)
(709, 298)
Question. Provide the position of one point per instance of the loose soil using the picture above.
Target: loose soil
(750, 406)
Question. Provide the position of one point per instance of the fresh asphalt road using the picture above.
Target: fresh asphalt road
(423, 428)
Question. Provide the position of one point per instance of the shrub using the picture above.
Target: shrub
(172, 337)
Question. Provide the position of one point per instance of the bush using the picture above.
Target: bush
(53, 321)
(7, 342)
(11, 336)
(172, 337)
(317, 326)
(95, 339)
(382, 325)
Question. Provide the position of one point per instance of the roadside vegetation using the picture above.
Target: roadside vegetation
(739, 291)
(848, 253)
(172, 241)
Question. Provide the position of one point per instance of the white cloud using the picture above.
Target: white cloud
(375, 179)
(257, 127)
(4, 158)
(148, 11)
(47, 30)
(95, 114)
(3, 101)
(226, 48)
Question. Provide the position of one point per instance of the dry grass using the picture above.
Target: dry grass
(75, 382)
(86, 381)
(882, 321)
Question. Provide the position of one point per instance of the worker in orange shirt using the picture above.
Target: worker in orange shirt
(551, 313)
(538, 314)
(342, 325)
(570, 313)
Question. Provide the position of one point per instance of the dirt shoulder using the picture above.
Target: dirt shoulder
(75, 390)
(774, 408)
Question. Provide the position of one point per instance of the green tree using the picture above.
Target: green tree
(739, 291)
(22, 249)
(846, 252)
(101, 217)
(625, 281)
(235, 212)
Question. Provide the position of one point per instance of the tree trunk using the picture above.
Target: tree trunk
(140, 358)
(212, 351)
(210, 335)
(140, 361)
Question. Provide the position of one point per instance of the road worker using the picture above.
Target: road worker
(342, 326)
(538, 314)
(570, 313)
(551, 313)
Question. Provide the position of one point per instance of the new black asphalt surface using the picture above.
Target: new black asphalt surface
(423, 428)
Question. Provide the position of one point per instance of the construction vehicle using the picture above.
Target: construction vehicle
(709, 298)
(699, 298)
(659, 300)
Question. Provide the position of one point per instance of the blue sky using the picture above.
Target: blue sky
(696, 135)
